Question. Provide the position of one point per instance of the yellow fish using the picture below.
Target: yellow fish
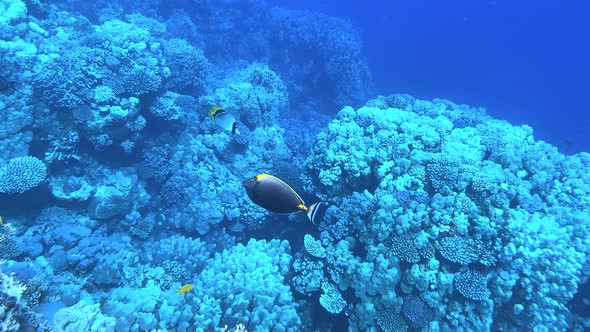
(1, 221)
(223, 119)
(185, 289)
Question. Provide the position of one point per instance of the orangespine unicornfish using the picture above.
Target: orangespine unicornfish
(223, 119)
(274, 195)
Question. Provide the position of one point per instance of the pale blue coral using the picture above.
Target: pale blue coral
(12, 11)
(192, 251)
(313, 246)
(255, 94)
(22, 174)
(103, 94)
(253, 275)
(471, 200)
(331, 299)
(189, 68)
(540, 243)
(371, 164)
(308, 275)
(119, 193)
(14, 116)
(83, 316)
(248, 285)
(351, 152)
(332, 42)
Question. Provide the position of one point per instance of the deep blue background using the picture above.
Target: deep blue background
(526, 61)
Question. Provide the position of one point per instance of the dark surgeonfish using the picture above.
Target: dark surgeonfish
(274, 195)
(7, 87)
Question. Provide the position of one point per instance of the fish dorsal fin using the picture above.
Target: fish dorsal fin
(301, 201)
(312, 210)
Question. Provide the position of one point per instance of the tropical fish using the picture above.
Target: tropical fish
(223, 119)
(276, 196)
(1, 221)
(185, 289)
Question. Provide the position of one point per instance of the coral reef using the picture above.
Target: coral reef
(474, 216)
(117, 190)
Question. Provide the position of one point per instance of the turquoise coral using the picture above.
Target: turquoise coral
(472, 285)
(150, 192)
(463, 250)
(83, 317)
(331, 299)
(480, 204)
(313, 247)
(22, 174)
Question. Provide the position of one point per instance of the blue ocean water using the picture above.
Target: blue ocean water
(294, 166)
(524, 61)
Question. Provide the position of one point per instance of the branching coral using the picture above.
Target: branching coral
(22, 174)
(416, 312)
(472, 285)
(399, 174)
(490, 187)
(406, 248)
(255, 93)
(313, 247)
(166, 108)
(391, 322)
(331, 299)
(463, 250)
(9, 248)
(188, 66)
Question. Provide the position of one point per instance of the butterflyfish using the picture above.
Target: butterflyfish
(185, 289)
(223, 119)
(274, 195)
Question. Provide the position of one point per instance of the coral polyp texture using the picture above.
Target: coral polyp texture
(122, 204)
(481, 182)
(22, 174)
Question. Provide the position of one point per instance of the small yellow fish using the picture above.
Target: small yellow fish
(1, 221)
(185, 289)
